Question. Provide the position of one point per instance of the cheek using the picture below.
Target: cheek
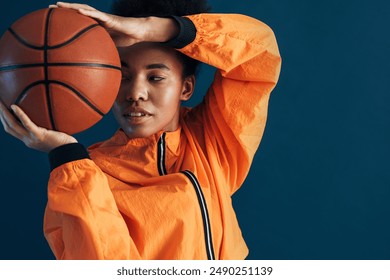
(168, 97)
(167, 103)
(116, 111)
(121, 97)
(120, 100)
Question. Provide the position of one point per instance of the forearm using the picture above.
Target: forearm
(244, 48)
(234, 110)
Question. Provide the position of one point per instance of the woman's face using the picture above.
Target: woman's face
(151, 91)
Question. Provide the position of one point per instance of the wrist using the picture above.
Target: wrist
(59, 141)
(161, 29)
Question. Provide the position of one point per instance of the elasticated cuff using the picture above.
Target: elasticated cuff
(67, 153)
(186, 34)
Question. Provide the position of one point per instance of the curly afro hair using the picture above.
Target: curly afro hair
(143, 8)
(164, 8)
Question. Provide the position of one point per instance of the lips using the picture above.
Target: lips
(136, 112)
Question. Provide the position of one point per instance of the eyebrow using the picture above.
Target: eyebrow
(157, 66)
(150, 66)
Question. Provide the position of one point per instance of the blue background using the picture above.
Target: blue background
(319, 184)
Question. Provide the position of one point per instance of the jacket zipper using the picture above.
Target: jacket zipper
(161, 155)
(205, 214)
(202, 202)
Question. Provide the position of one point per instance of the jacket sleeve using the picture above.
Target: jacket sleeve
(234, 111)
(81, 218)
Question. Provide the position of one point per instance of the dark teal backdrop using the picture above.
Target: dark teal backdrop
(319, 187)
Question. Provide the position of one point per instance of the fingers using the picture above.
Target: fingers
(24, 119)
(3, 111)
(29, 133)
(10, 124)
(98, 15)
(85, 10)
(74, 6)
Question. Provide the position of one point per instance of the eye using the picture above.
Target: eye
(156, 78)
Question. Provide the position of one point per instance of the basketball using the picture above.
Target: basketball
(62, 68)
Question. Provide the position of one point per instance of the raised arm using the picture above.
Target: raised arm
(234, 112)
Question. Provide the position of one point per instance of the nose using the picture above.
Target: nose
(137, 90)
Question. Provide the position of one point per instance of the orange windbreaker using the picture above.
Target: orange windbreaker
(168, 196)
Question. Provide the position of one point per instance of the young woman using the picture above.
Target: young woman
(161, 187)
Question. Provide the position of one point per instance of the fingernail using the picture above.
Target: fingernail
(13, 107)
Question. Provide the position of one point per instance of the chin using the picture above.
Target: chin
(144, 133)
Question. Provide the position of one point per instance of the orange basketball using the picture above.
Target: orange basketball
(62, 68)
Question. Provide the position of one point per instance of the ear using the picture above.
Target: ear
(188, 88)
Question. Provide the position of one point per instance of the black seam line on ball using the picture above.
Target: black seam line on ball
(22, 41)
(55, 64)
(24, 92)
(74, 37)
(27, 44)
(85, 64)
(26, 89)
(46, 70)
(19, 66)
(79, 95)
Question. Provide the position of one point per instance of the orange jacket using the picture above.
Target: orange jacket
(168, 196)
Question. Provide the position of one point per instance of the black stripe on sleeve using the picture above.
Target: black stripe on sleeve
(186, 34)
(67, 153)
